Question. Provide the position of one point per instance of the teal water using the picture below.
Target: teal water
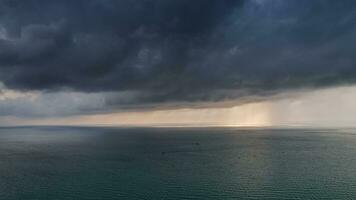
(44, 163)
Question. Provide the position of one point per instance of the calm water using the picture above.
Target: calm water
(107, 163)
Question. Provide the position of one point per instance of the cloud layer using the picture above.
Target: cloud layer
(158, 51)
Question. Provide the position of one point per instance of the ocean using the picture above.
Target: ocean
(44, 163)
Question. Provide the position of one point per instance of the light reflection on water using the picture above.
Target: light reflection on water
(196, 163)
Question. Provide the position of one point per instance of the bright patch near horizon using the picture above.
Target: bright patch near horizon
(326, 107)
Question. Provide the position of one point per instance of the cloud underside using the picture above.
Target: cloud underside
(152, 52)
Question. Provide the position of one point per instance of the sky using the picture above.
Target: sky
(178, 62)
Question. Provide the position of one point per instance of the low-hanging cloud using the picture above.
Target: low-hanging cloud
(159, 51)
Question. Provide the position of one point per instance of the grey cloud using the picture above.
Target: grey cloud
(185, 51)
(50, 104)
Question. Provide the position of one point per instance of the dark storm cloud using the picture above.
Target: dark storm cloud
(177, 50)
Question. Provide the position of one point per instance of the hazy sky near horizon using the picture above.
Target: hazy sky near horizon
(332, 107)
(207, 62)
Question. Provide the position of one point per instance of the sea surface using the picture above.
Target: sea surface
(44, 163)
